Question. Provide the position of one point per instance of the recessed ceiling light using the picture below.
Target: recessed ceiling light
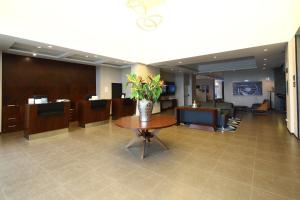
(86, 56)
(265, 49)
(39, 47)
(180, 62)
(34, 54)
(49, 46)
(265, 64)
(265, 59)
(215, 57)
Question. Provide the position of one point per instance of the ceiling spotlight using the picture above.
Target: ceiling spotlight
(265, 59)
(86, 56)
(50, 46)
(265, 49)
(180, 62)
(39, 47)
(34, 54)
(265, 64)
(215, 57)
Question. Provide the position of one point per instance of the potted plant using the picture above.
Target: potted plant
(146, 92)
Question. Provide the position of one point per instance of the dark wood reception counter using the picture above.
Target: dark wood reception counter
(123, 107)
(93, 111)
(46, 117)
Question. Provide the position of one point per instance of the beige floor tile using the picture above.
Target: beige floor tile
(116, 191)
(259, 194)
(241, 149)
(203, 163)
(85, 186)
(166, 190)
(238, 159)
(193, 177)
(93, 163)
(70, 172)
(218, 187)
(234, 172)
(277, 184)
(2, 196)
(54, 194)
(141, 180)
(275, 168)
(30, 188)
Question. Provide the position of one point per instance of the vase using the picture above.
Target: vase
(145, 108)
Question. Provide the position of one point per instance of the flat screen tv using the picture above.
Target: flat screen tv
(164, 90)
(171, 89)
(247, 88)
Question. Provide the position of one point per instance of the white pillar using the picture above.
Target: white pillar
(179, 81)
(1, 91)
(98, 83)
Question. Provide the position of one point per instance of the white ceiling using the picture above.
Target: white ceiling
(189, 28)
(20, 46)
(265, 57)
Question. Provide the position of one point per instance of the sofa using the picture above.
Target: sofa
(223, 107)
(197, 116)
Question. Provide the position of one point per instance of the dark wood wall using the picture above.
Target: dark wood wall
(24, 77)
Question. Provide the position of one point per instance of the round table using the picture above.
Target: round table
(142, 129)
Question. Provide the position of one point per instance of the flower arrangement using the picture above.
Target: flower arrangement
(149, 88)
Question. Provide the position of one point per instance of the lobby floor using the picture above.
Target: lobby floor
(261, 160)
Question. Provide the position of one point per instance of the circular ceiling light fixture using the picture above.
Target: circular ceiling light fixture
(149, 23)
(146, 20)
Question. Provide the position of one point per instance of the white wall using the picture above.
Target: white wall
(1, 91)
(105, 76)
(144, 71)
(201, 96)
(167, 76)
(266, 76)
(124, 73)
(291, 97)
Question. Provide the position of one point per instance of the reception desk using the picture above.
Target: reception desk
(93, 111)
(46, 117)
(123, 107)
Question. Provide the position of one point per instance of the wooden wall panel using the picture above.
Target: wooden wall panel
(24, 77)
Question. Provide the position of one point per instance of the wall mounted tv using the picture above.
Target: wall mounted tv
(169, 88)
(247, 88)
